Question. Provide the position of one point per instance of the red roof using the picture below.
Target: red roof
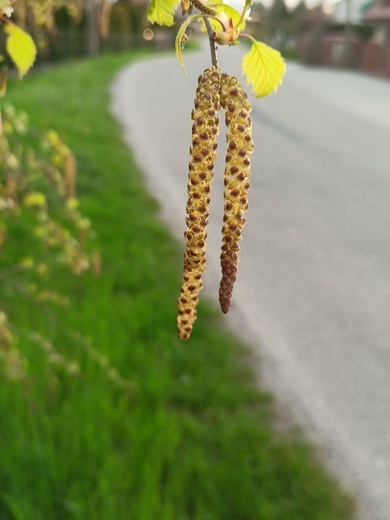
(380, 11)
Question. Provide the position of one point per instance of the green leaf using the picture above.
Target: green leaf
(264, 68)
(179, 42)
(21, 48)
(162, 11)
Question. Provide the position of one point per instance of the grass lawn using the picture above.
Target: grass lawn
(191, 437)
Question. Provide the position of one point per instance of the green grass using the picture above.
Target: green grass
(193, 438)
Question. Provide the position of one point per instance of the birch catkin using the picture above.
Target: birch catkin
(200, 174)
(236, 180)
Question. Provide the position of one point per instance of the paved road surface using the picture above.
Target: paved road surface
(313, 288)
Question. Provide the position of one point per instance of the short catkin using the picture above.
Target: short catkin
(236, 180)
(203, 8)
(200, 174)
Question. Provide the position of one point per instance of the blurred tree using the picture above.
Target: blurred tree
(126, 16)
(259, 15)
(38, 17)
(92, 16)
(78, 25)
(297, 20)
(279, 18)
(31, 14)
(38, 207)
(298, 14)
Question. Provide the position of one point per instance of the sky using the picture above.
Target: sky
(238, 4)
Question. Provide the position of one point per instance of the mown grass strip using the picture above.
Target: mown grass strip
(192, 438)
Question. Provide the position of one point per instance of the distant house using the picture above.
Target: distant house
(314, 26)
(377, 52)
(349, 11)
(345, 38)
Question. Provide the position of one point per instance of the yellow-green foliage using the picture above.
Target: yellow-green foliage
(37, 207)
(263, 66)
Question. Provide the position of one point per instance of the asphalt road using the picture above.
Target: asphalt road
(313, 288)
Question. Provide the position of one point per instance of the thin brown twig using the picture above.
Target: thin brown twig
(213, 47)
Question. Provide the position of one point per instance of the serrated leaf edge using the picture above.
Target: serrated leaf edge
(12, 32)
(153, 14)
(271, 59)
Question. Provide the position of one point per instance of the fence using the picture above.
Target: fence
(74, 44)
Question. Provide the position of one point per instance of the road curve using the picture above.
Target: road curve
(313, 287)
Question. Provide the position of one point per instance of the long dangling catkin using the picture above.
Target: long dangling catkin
(236, 179)
(200, 174)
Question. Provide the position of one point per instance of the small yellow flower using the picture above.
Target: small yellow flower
(27, 262)
(35, 199)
